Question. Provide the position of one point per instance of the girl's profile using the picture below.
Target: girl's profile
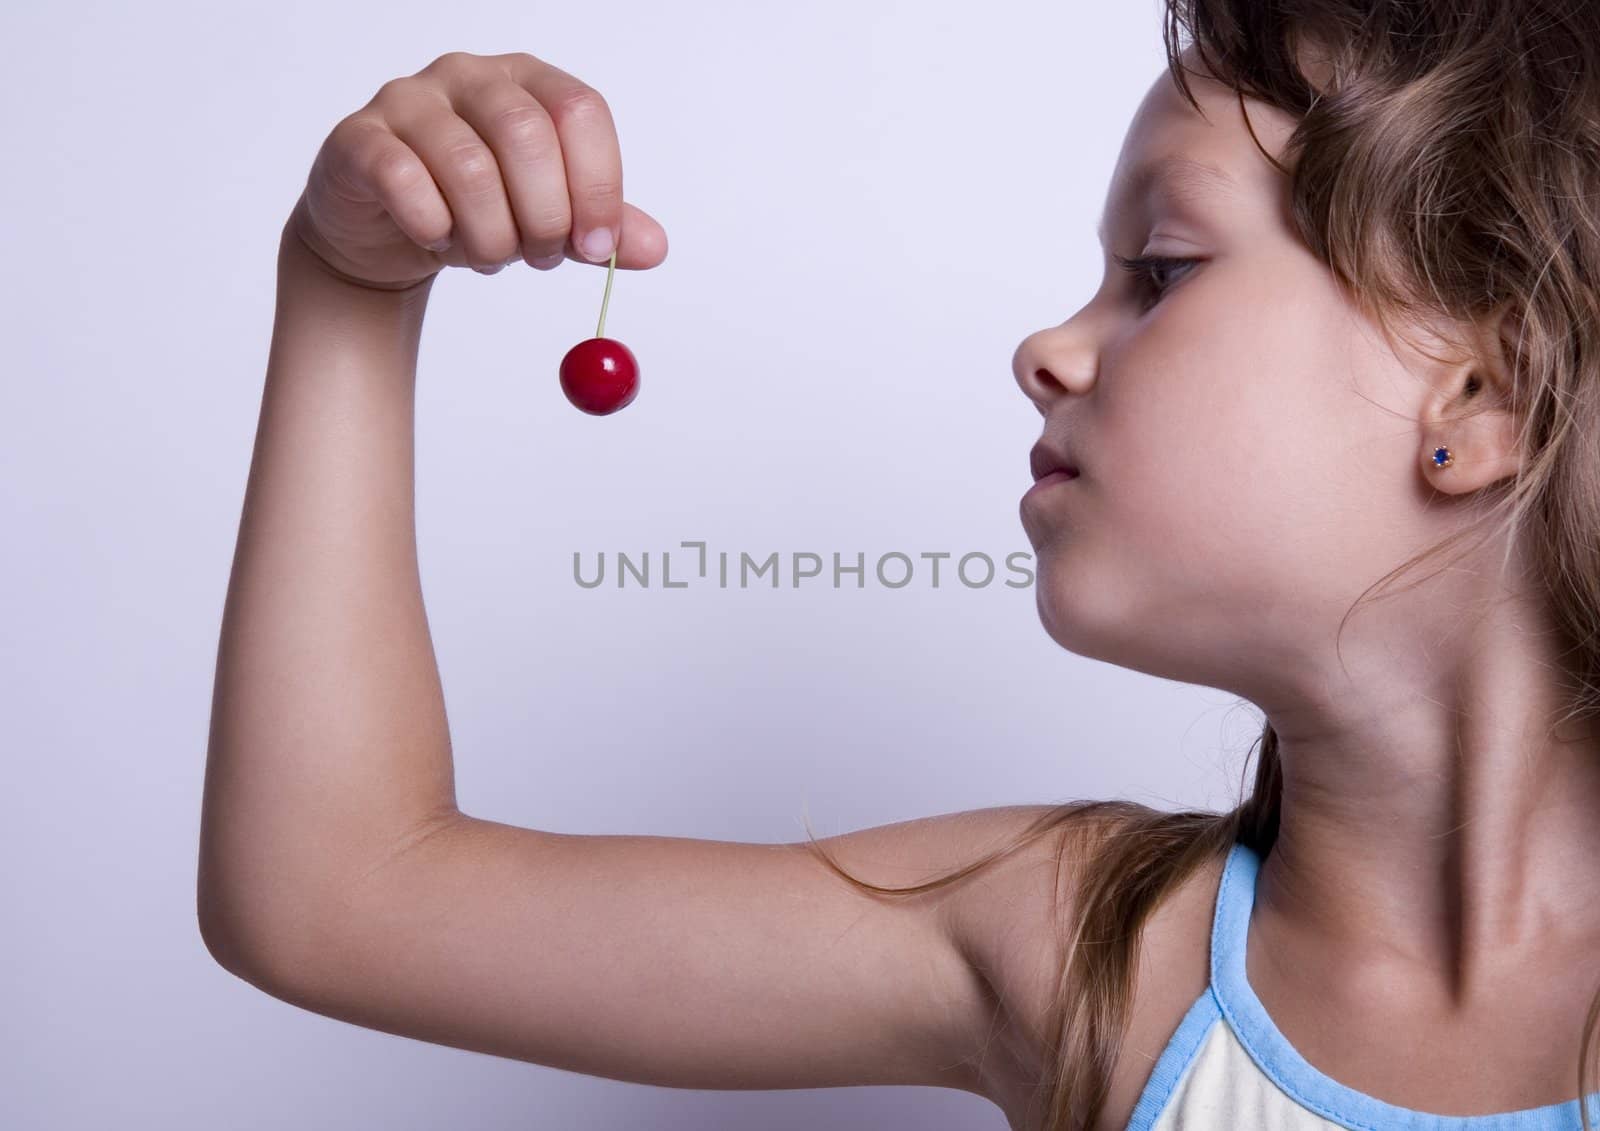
(1323, 437)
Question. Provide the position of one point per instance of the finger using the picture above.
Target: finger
(644, 240)
(363, 160)
(589, 147)
(466, 171)
(528, 149)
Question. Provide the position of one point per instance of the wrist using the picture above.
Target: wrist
(297, 257)
(326, 322)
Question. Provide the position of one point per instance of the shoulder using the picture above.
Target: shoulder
(1013, 923)
(1174, 970)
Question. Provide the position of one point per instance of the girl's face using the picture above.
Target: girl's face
(1248, 448)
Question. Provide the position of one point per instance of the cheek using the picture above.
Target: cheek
(1232, 456)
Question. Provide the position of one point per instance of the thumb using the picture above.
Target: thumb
(641, 244)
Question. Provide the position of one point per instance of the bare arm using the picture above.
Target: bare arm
(329, 744)
(336, 870)
(337, 873)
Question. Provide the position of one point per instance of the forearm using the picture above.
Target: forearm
(328, 741)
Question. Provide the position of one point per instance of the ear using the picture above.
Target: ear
(1470, 412)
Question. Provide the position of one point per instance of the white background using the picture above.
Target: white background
(868, 205)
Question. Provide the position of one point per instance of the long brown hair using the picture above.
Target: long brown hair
(1445, 161)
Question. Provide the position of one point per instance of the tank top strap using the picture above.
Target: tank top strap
(1230, 922)
(1282, 1063)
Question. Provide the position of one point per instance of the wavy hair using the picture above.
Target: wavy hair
(1444, 162)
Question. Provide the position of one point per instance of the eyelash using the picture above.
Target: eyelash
(1144, 268)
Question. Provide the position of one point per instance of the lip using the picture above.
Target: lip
(1050, 479)
(1045, 458)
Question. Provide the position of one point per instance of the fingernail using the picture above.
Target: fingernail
(597, 245)
(548, 261)
(489, 270)
(439, 245)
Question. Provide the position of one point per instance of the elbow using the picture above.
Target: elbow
(219, 933)
(219, 946)
(244, 946)
(247, 912)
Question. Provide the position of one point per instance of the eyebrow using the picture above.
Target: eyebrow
(1185, 178)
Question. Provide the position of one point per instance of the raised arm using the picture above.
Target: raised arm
(329, 747)
(337, 872)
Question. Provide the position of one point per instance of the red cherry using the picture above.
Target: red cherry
(600, 374)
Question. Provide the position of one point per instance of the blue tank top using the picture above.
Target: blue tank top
(1228, 1066)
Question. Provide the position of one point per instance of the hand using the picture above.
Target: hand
(506, 155)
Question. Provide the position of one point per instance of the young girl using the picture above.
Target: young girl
(1350, 319)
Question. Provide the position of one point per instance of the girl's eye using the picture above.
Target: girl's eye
(1149, 271)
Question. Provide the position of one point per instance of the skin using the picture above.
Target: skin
(337, 872)
(1254, 455)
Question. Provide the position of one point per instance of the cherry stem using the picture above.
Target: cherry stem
(611, 268)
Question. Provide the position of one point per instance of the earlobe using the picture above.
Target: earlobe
(1483, 451)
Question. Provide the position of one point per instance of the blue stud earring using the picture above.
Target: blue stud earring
(1442, 457)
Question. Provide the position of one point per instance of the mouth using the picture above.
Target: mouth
(1044, 488)
(1045, 461)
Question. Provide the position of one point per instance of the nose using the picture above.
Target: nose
(1051, 363)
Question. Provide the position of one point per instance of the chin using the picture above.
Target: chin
(1084, 615)
(1060, 618)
